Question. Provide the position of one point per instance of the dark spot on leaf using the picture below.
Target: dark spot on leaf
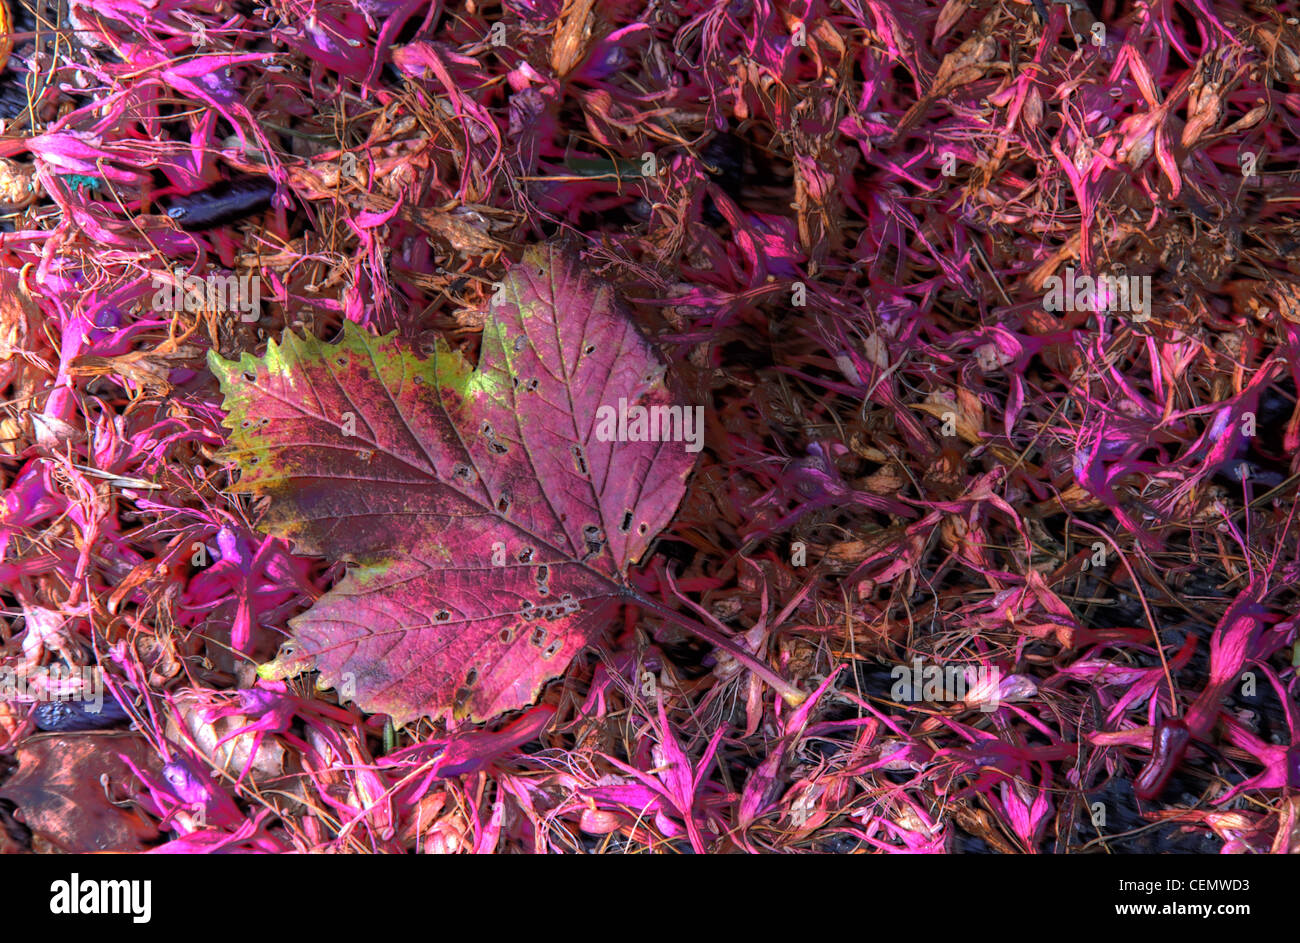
(471, 676)
(461, 698)
(520, 343)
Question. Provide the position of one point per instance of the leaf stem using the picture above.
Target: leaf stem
(791, 694)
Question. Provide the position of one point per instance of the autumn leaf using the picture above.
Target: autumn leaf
(490, 527)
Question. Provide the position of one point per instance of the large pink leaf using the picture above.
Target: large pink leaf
(490, 526)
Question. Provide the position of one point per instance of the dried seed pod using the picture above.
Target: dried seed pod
(221, 204)
(1167, 750)
(77, 715)
(573, 32)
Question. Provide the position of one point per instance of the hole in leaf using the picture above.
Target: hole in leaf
(506, 635)
(525, 606)
(463, 472)
(503, 504)
(538, 638)
(442, 615)
(486, 430)
(551, 649)
(245, 424)
(341, 361)
(525, 555)
(589, 349)
(497, 447)
(626, 524)
(642, 529)
(520, 343)
(580, 459)
(250, 376)
(531, 385)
